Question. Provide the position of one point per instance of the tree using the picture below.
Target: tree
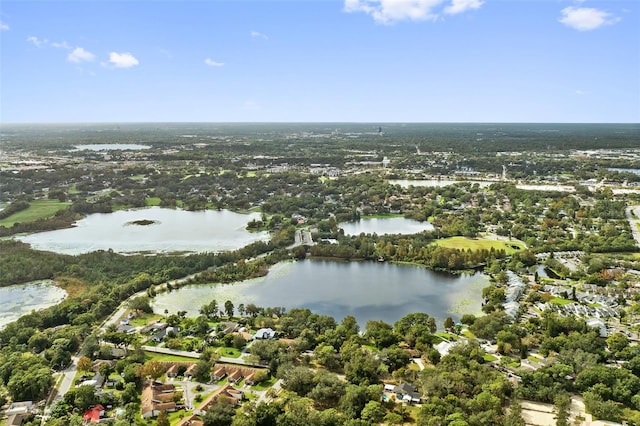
(381, 334)
(617, 342)
(31, 383)
(326, 356)
(327, 391)
(514, 417)
(202, 371)
(448, 324)
(129, 394)
(299, 380)
(363, 368)
(220, 414)
(210, 310)
(372, 412)
(238, 342)
(84, 397)
(229, 308)
(356, 398)
(252, 310)
(561, 404)
(163, 419)
(152, 369)
(84, 363)
(142, 304)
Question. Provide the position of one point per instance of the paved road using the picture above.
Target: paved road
(65, 380)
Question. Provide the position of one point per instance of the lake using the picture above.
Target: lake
(167, 231)
(366, 290)
(111, 147)
(387, 225)
(21, 299)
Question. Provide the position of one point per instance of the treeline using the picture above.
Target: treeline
(418, 248)
(15, 207)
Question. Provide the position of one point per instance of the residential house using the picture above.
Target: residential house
(160, 335)
(228, 392)
(233, 373)
(407, 393)
(154, 328)
(191, 421)
(126, 328)
(190, 369)
(17, 412)
(172, 371)
(219, 372)
(265, 333)
(93, 415)
(157, 397)
(96, 381)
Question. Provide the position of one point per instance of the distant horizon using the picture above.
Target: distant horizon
(308, 122)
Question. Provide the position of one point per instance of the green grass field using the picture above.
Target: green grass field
(464, 243)
(229, 352)
(153, 356)
(145, 319)
(39, 209)
(152, 201)
(560, 301)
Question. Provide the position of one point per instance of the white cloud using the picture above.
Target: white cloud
(80, 55)
(62, 45)
(212, 63)
(122, 60)
(390, 11)
(256, 34)
(37, 42)
(586, 18)
(580, 92)
(459, 6)
(4, 27)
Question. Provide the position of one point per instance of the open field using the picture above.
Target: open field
(38, 209)
(464, 243)
(154, 356)
(152, 201)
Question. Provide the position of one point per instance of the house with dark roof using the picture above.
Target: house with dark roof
(406, 393)
(265, 333)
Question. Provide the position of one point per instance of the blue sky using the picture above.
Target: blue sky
(349, 60)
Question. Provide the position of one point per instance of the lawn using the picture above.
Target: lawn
(489, 357)
(560, 301)
(153, 356)
(265, 385)
(176, 416)
(229, 352)
(144, 319)
(39, 209)
(381, 216)
(152, 201)
(464, 243)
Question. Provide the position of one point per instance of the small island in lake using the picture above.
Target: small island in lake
(143, 222)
